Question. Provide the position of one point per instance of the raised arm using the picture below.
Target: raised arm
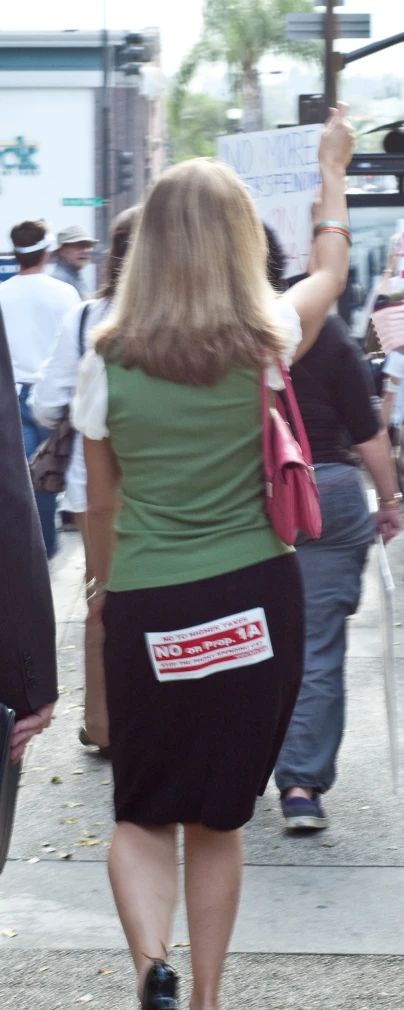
(314, 297)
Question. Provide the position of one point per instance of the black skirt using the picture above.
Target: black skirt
(200, 751)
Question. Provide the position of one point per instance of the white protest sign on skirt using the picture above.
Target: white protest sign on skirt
(280, 169)
(230, 642)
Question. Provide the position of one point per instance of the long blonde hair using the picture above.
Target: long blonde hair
(193, 299)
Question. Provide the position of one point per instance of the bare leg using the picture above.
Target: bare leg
(213, 869)
(95, 702)
(143, 875)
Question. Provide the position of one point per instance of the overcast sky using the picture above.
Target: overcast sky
(180, 22)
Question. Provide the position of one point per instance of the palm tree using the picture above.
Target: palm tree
(240, 32)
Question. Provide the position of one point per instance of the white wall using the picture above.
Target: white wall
(61, 123)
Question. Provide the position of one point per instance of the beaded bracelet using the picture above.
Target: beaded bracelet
(338, 227)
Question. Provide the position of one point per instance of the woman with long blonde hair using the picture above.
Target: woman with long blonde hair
(200, 600)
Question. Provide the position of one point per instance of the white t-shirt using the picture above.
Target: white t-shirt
(33, 307)
(394, 366)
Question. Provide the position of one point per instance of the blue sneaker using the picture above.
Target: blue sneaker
(304, 815)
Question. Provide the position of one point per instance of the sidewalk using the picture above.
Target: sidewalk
(321, 923)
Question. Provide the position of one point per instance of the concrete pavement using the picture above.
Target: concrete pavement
(321, 920)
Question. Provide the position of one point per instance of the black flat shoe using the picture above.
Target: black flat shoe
(104, 752)
(160, 988)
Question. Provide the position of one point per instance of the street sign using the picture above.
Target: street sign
(87, 201)
(313, 26)
(8, 267)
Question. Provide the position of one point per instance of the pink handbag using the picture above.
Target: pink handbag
(292, 499)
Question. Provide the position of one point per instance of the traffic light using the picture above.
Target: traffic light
(125, 170)
(394, 142)
(139, 48)
(311, 109)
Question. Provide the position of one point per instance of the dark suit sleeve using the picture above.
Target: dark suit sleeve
(27, 627)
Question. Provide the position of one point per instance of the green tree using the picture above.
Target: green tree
(194, 127)
(240, 32)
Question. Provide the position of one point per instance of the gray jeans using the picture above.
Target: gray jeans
(332, 568)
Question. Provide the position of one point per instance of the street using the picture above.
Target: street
(321, 921)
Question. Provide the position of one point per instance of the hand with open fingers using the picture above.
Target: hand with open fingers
(28, 727)
(388, 522)
(338, 139)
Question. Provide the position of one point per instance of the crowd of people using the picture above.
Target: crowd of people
(161, 370)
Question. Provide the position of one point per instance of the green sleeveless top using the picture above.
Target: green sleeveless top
(192, 482)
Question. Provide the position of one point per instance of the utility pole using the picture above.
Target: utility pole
(328, 25)
(330, 88)
(106, 130)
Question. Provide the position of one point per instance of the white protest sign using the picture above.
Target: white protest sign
(280, 167)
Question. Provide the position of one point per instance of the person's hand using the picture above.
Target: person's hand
(337, 141)
(388, 522)
(25, 729)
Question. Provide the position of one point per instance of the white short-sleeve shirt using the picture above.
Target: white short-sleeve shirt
(33, 307)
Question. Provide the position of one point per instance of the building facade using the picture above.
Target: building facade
(52, 129)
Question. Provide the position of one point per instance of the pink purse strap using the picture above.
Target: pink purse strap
(299, 430)
(267, 455)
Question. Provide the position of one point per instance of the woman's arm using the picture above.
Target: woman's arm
(102, 485)
(376, 456)
(313, 297)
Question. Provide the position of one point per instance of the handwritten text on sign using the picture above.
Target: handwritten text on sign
(280, 167)
(239, 640)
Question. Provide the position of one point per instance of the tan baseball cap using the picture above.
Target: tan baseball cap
(76, 233)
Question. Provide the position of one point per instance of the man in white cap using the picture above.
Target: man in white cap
(74, 248)
(33, 306)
